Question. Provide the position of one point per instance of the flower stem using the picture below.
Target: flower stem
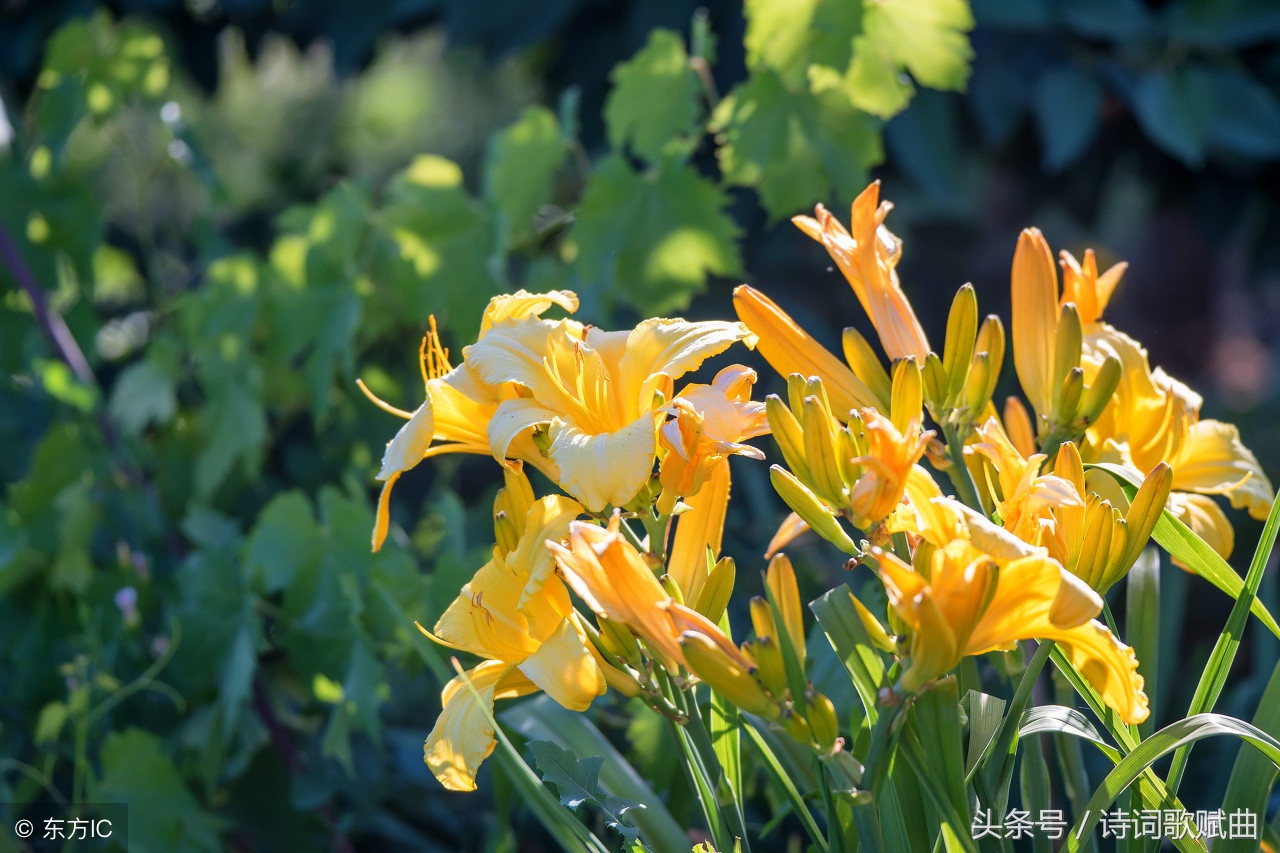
(959, 471)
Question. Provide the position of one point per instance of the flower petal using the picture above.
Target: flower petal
(522, 303)
(1109, 665)
(700, 527)
(1206, 519)
(671, 348)
(604, 469)
(564, 667)
(410, 444)
(484, 619)
(1214, 461)
(789, 349)
(548, 518)
(462, 737)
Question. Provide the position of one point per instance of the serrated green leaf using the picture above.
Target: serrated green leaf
(655, 236)
(779, 34)
(235, 429)
(143, 394)
(520, 168)
(577, 781)
(654, 97)
(795, 147)
(284, 540)
(163, 813)
(1176, 111)
(926, 37)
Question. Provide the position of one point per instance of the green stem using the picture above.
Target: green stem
(959, 471)
(1003, 740)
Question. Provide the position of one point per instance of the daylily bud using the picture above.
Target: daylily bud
(797, 728)
(908, 394)
(820, 454)
(1100, 392)
(934, 378)
(725, 676)
(672, 588)
(866, 366)
(806, 505)
(714, 595)
(1145, 510)
(875, 631)
(1067, 400)
(1018, 424)
(823, 722)
(962, 330)
(991, 341)
(1067, 344)
(788, 433)
(504, 531)
(618, 640)
(781, 580)
(976, 393)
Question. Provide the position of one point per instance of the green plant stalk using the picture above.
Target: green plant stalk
(701, 739)
(1002, 743)
(788, 786)
(959, 471)
(696, 771)
(1214, 677)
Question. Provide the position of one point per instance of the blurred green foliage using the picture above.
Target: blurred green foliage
(238, 207)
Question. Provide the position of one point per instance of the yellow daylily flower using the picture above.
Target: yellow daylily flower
(977, 588)
(710, 424)
(599, 395)
(616, 583)
(790, 349)
(1025, 498)
(517, 615)
(890, 457)
(458, 404)
(1155, 419)
(868, 258)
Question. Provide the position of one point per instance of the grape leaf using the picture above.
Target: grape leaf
(925, 37)
(795, 147)
(654, 97)
(655, 235)
(520, 169)
(577, 781)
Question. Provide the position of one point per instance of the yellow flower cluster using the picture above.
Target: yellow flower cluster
(1036, 537)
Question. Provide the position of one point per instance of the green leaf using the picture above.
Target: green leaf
(543, 719)
(578, 783)
(1058, 719)
(143, 394)
(1175, 108)
(655, 236)
(285, 540)
(935, 722)
(925, 37)
(783, 780)
(1179, 540)
(163, 814)
(797, 148)
(985, 714)
(839, 619)
(1148, 752)
(1068, 109)
(1249, 786)
(779, 35)
(235, 429)
(654, 97)
(1142, 624)
(521, 168)
(1246, 115)
(53, 717)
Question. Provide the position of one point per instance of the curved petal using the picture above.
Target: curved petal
(791, 527)
(1214, 461)
(1109, 665)
(565, 669)
(700, 527)
(548, 518)
(790, 349)
(1206, 520)
(522, 303)
(484, 619)
(1027, 601)
(383, 518)
(511, 420)
(604, 469)
(462, 737)
(545, 357)
(409, 446)
(671, 348)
